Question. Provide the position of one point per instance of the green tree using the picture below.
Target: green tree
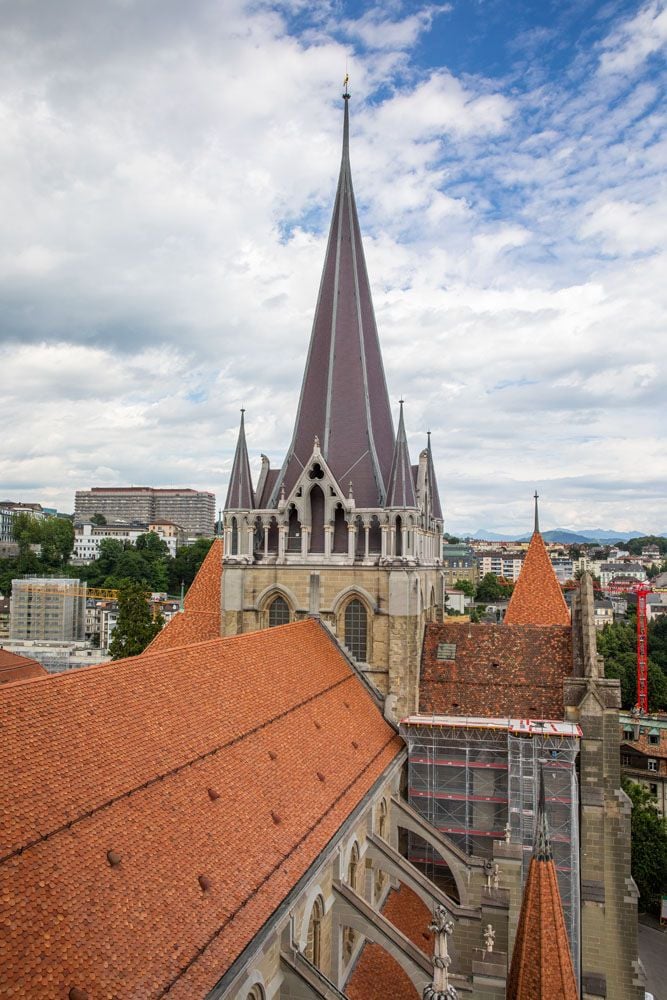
(57, 538)
(635, 545)
(494, 588)
(184, 567)
(649, 846)
(25, 531)
(98, 519)
(135, 627)
(466, 587)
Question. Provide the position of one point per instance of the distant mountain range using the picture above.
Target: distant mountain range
(564, 536)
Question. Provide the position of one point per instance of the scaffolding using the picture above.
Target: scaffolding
(477, 780)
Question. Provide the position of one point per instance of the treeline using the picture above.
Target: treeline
(147, 562)
(617, 643)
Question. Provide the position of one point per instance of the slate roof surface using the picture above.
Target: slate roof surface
(497, 670)
(401, 489)
(14, 667)
(195, 761)
(537, 598)
(378, 976)
(344, 399)
(201, 615)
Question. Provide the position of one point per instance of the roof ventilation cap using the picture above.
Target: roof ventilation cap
(77, 994)
(114, 860)
(275, 817)
(213, 795)
(204, 883)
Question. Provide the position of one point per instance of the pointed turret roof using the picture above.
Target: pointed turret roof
(240, 494)
(541, 966)
(344, 398)
(537, 597)
(401, 488)
(436, 509)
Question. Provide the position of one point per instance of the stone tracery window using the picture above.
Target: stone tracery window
(278, 612)
(356, 629)
(314, 938)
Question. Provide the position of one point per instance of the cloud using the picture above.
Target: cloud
(631, 43)
(168, 176)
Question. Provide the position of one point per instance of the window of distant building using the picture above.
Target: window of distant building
(652, 764)
(356, 629)
(278, 612)
(654, 738)
(653, 789)
(625, 760)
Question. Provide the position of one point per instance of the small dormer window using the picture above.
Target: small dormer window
(316, 472)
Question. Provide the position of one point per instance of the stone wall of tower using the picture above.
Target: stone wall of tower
(397, 600)
(609, 954)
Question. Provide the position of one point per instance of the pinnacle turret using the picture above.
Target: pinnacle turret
(401, 488)
(240, 494)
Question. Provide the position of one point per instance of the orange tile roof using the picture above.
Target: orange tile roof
(19, 668)
(377, 975)
(541, 967)
(496, 670)
(201, 615)
(124, 783)
(537, 598)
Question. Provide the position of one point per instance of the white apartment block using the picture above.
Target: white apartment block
(505, 564)
(88, 537)
(610, 570)
(192, 510)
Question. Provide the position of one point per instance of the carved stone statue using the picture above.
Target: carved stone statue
(489, 938)
(441, 927)
(495, 878)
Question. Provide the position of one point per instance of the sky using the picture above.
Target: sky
(167, 174)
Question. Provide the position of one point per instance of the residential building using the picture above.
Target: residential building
(6, 524)
(89, 536)
(644, 753)
(612, 571)
(604, 613)
(459, 563)
(563, 567)
(4, 618)
(500, 563)
(58, 657)
(49, 609)
(192, 510)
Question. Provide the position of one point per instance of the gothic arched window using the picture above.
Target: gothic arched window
(256, 993)
(356, 629)
(314, 939)
(235, 537)
(278, 612)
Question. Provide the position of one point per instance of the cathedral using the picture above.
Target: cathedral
(311, 785)
(347, 528)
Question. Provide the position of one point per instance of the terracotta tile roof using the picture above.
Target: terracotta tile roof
(19, 668)
(537, 598)
(201, 617)
(124, 783)
(497, 670)
(378, 976)
(541, 967)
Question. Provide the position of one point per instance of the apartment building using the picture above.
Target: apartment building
(500, 563)
(644, 753)
(47, 609)
(192, 510)
(88, 537)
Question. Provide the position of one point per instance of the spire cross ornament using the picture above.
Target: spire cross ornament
(537, 519)
(441, 927)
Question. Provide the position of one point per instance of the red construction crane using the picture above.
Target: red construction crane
(642, 590)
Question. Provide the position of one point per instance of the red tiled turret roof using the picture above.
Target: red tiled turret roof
(155, 811)
(537, 597)
(201, 615)
(541, 966)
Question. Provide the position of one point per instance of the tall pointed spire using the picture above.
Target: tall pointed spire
(436, 509)
(240, 494)
(537, 514)
(537, 598)
(541, 966)
(344, 398)
(401, 488)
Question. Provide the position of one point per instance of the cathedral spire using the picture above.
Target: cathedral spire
(537, 515)
(537, 598)
(240, 494)
(541, 967)
(401, 488)
(344, 398)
